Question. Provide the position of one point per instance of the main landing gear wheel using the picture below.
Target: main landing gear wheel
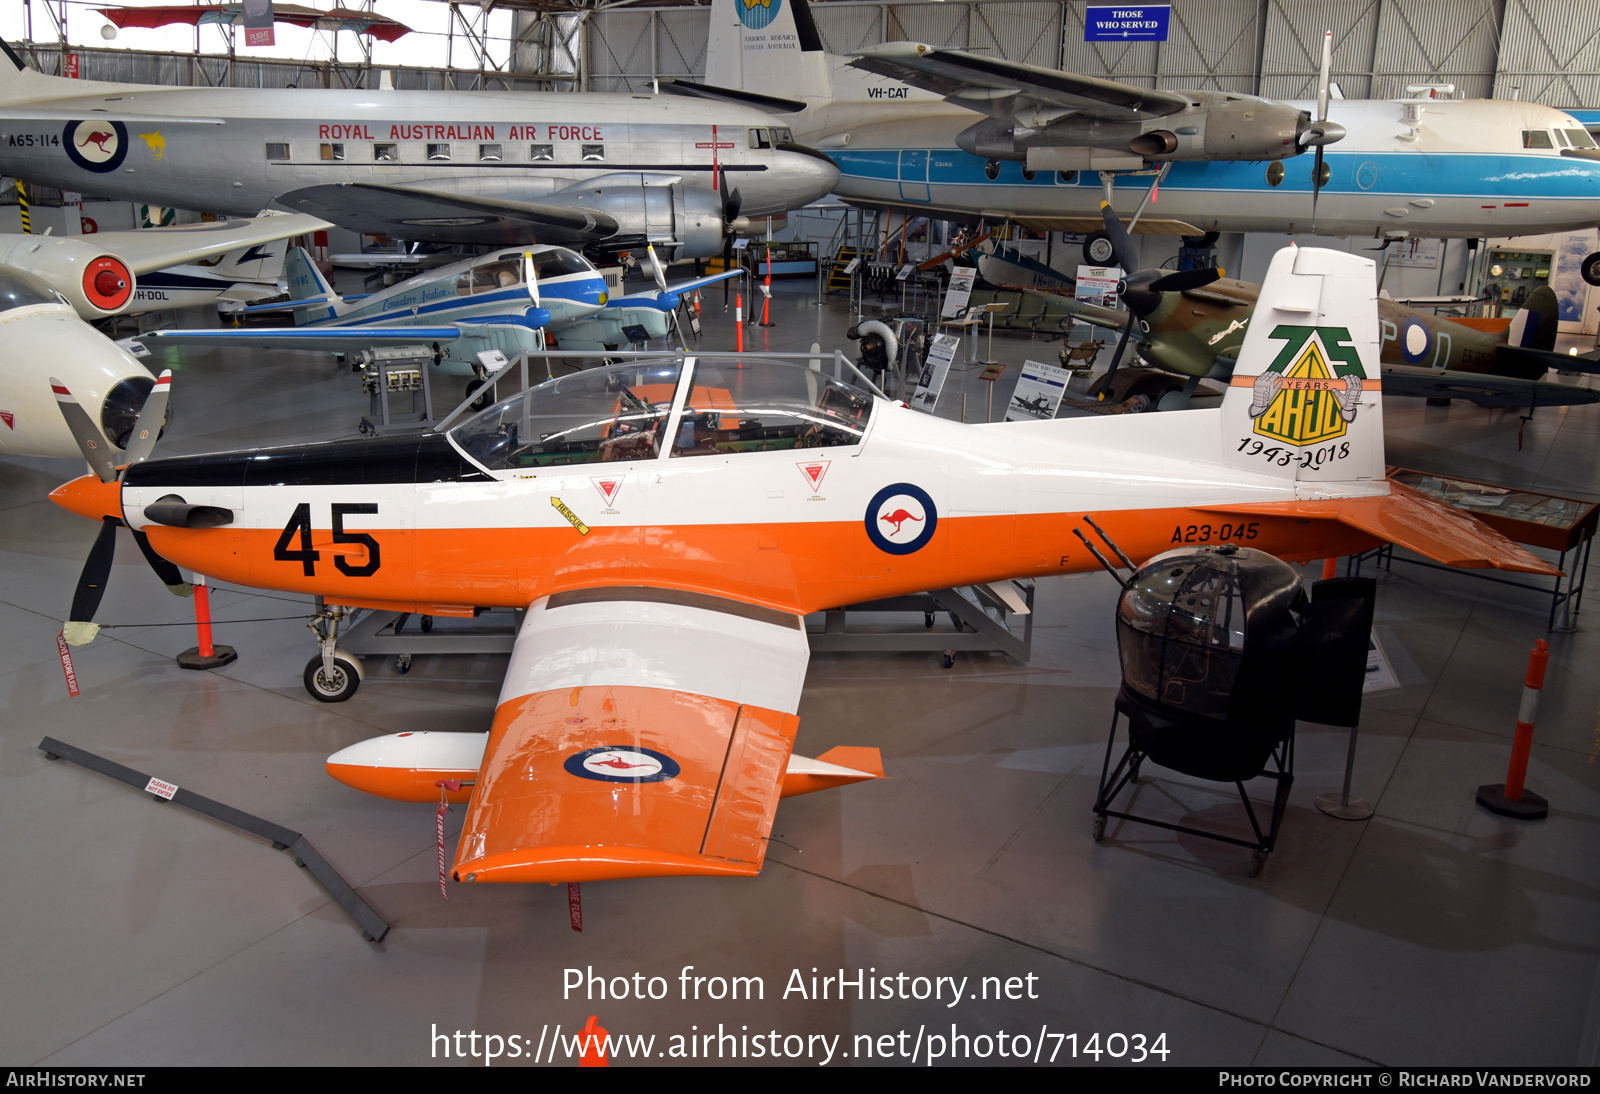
(335, 687)
(1591, 269)
(1098, 249)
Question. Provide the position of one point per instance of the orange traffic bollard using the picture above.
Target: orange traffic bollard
(738, 318)
(766, 293)
(1330, 569)
(1512, 798)
(204, 655)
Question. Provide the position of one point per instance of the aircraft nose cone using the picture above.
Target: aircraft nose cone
(803, 175)
(88, 497)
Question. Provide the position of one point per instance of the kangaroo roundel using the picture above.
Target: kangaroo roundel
(96, 145)
(622, 764)
(900, 519)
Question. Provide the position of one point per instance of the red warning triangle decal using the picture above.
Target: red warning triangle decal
(9, 418)
(608, 489)
(814, 470)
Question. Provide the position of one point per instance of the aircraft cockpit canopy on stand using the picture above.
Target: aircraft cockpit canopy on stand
(629, 412)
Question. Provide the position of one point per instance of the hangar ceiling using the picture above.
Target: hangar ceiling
(1533, 49)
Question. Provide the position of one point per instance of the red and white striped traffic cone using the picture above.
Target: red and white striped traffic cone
(1511, 798)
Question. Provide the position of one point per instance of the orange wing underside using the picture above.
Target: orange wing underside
(1411, 519)
(619, 781)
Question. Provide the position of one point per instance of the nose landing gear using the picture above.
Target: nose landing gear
(333, 675)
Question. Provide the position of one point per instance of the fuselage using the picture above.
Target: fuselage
(518, 146)
(1433, 168)
(734, 506)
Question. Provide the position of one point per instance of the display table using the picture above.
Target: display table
(1560, 524)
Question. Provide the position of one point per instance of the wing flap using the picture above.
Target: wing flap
(640, 733)
(1411, 519)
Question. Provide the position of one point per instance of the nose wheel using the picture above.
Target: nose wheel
(333, 675)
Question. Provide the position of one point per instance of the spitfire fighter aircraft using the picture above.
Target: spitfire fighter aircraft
(49, 285)
(499, 301)
(668, 524)
(1193, 323)
(601, 171)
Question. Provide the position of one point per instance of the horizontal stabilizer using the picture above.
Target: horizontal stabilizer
(1482, 389)
(1533, 363)
(770, 103)
(1411, 519)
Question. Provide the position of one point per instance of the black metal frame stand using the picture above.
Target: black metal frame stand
(1114, 781)
(372, 925)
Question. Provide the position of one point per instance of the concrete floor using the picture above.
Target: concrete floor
(1434, 933)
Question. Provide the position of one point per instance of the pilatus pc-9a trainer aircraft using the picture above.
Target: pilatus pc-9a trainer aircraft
(668, 524)
(499, 301)
(602, 171)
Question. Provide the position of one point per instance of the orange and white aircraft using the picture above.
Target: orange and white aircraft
(667, 524)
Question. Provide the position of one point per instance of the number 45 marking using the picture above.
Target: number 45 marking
(299, 526)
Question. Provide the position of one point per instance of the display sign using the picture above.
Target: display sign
(161, 788)
(905, 271)
(1141, 24)
(1421, 254)
(992, 371)
(258, 21)
(72, 69)
(1098, 285)
(935, 371)
(853, 265)
(1038, 393)
(958, 292)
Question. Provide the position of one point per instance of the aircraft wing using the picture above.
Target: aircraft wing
(1092, 314)
(1485, 390)
(334, 339)
(651, 298)
(151, 249)
(639, 733)
(1147, 226)
(428, 216)
(992, 86)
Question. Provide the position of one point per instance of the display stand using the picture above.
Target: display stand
(372, 925)
(1114, 780)
(1564, 525)
(398, 371)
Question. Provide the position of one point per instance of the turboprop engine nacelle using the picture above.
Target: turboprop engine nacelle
(95, 282)
(657, 209)
(1218, 127)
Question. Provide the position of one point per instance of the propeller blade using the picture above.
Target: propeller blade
(1316, 186)
(1121, 241)
(530, 274)
(92, 580)
(147, 430)
(1116, 357)
(656, 268)
(1324, 78)
(1184, 280)
(169, 574)
(91, 442)
(731, 202)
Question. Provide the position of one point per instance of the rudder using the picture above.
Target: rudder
(1305, 399)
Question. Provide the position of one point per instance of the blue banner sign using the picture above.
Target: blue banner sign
(1142, 24)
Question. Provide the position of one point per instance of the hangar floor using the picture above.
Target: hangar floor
(1432, 933)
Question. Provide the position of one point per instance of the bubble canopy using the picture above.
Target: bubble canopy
(666, 408)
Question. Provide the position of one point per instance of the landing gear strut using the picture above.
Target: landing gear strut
(333, 675)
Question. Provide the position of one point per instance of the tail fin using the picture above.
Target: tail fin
(262, 262)
(1304, 401)
(306, 281)
(769, 46)
(1534, 325)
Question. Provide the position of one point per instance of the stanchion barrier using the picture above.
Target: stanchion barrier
(204, 655)
(1512, 798)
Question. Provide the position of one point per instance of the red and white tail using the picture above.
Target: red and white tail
(1305, 401)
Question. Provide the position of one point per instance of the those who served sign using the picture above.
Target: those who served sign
(1146, 23)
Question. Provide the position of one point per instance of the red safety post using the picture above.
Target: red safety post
(766, 292)
(1330, 569)
(204, 655)
(1511, 798)
(738, 318)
